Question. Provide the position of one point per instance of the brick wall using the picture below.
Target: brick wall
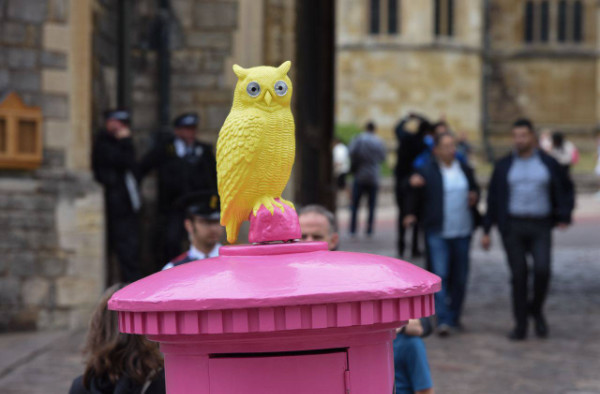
(51, 224)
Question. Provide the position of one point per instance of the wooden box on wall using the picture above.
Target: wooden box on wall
(20, 134)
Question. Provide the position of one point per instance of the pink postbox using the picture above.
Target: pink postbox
(274, 317)
(278, 318)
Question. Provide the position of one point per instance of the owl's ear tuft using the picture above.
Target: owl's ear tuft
(241, 72)
(285, 67)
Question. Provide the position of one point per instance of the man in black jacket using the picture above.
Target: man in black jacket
(410, 133)
(185, 165)
(113, 163)
(449, 216)
(528, 194)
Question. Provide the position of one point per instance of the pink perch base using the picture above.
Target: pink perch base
(279, 226)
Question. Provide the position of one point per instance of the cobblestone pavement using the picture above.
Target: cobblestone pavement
(479, 360)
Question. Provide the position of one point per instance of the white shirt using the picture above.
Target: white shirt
(341, 159)
(195, 254)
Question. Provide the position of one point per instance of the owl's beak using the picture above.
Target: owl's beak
(268, 98)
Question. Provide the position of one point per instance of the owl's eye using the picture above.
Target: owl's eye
(280, 88)
(253, 89)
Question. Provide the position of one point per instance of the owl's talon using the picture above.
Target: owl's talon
(288, 203)
(267, 202)
(278, 205)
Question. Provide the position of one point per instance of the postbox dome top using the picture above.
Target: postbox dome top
(280, 275)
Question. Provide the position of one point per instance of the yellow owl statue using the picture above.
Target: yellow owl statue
(256, 146)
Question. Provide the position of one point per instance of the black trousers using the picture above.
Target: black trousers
(358, 190)
(123, 240)
(401, 190)
(525, 237)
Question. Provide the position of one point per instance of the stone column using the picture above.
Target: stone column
(80, 69)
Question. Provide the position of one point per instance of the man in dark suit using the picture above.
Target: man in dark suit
(528, 195)
(114, 166)
(185, 165)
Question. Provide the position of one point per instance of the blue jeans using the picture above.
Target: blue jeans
(450, 261)
(357, 192)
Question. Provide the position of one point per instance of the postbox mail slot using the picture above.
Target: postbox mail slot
(317, 372)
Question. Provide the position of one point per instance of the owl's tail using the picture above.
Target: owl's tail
(233, 229)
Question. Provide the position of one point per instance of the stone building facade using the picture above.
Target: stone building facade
(52, 226)
(67, 57)
(481, 63)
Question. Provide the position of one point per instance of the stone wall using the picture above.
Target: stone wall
(553, 83)
(383, 77)
(51, 223)
(383, 86)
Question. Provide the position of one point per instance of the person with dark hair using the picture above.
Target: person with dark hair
(410, 133)
(528, 195)
(114, 166)
(341, 163)
(449, 194)
(185, 165)
(202, 223)
(317, 223)
(563, 150)
(367, 152)
(118, 363)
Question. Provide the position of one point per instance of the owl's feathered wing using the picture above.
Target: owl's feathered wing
(237, 147)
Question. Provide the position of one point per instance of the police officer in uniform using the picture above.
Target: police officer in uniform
(203, 228)
(114, 166)
(185, 165)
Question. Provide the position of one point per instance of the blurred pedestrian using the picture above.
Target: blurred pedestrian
(367, 152)
(118, 363)
(463, 147)
(202, 224)
(545, 140)
(341, 163)
(185, 165)
(597, 168)
(410, 133)
(438, 128)
(411, 368)
(114, 166)
(449, 216)
(563, 150)
(529, 193)
(441, 127)
(318, 224)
